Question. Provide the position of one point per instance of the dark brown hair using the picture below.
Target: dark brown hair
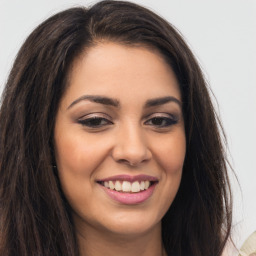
(34, 215)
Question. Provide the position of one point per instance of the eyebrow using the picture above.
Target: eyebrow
(162, 101)
(115, 103)
(97, 99)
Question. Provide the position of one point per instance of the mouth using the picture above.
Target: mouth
(127, 186)
(129, 189)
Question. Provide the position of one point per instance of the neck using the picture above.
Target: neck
(98, 242)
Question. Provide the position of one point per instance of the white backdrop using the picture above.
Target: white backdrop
(222, 35)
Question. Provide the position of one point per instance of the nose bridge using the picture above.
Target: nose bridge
(131, 144)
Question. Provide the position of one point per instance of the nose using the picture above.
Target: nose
(131, 146)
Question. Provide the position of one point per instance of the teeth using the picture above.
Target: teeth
(135, 186)
(111, 185)
(142, 185)
(126, 186)
(147, 183)
(118, 186)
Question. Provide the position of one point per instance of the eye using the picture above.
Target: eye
(94, 122)
(161, 121)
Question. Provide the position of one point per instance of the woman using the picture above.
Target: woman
(109, 141)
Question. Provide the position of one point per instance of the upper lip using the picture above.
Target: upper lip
(130, 178)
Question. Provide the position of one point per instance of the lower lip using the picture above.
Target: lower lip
(130, 198)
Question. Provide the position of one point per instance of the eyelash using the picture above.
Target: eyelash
(165, 121)
(95, 122)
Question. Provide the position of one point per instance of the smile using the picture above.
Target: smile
(127, 189)
(127, 186)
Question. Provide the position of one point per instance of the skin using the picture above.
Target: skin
(125, 140)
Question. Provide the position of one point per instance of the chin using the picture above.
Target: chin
(132, 224)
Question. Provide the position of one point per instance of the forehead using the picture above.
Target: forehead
(123, 72)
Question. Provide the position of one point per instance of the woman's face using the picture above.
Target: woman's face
(119, 139)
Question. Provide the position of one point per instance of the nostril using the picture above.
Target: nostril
(125, 161)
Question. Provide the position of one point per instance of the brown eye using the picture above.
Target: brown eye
(161, 121)
(94, 122)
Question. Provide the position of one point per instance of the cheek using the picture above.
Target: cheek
(75, 152)
(171, 154)
(75, 162)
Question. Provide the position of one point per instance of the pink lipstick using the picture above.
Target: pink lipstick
(127, 189)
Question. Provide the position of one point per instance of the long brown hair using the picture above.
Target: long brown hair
(35, 217)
